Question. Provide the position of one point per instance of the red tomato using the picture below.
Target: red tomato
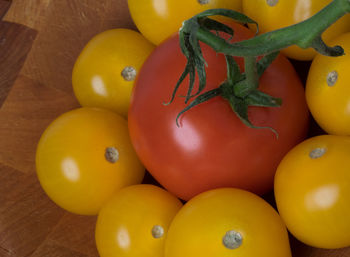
(212, 148)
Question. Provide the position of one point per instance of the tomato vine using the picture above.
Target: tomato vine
(241, 89)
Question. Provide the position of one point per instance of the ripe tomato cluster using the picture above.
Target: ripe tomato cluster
(92, 160)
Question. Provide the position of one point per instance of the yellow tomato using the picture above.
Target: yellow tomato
(84, 157)
(134, 223)
(104, 73)
(312, 189)
(328, 89)
(227, 222)
(275, 14)
(159, 19)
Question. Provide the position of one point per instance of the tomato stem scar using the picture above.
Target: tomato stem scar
(157, 231)
(203, 1)
(332, 78)
(232, 239)
(129, 73)
(112, 154)
(272, 2)
(317, 153)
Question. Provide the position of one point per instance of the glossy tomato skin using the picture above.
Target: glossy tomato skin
(135, 222)
(274, 14)
(328, 91)
(97, 76)
(158, 20)
(71, 163)
(312, 191)
(199, 228)
(212, 148)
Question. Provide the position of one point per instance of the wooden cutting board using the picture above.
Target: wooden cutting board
(39, 42)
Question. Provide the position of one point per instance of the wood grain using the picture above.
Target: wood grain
(26, 214)
(42, 40)
(29, 12)
(76, 232)
(27, 111)
(67, 25)
(15, 43)
(52, 249)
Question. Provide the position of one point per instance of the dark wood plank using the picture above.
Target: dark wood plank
(27, 216)
(15, 42)
(4, 6)
(27, 111)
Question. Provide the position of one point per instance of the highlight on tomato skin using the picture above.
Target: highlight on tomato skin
(135, 222)
(212, 148)
(84, 156)
(227, 222)
(312, 191)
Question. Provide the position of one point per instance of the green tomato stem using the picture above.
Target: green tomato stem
(252, 79)
(305, 34)
(241, 89)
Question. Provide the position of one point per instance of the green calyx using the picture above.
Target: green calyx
(240, 89)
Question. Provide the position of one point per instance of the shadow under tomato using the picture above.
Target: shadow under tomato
(302, 68)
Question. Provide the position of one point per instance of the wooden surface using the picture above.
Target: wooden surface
(4, 6)
(39, 42)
